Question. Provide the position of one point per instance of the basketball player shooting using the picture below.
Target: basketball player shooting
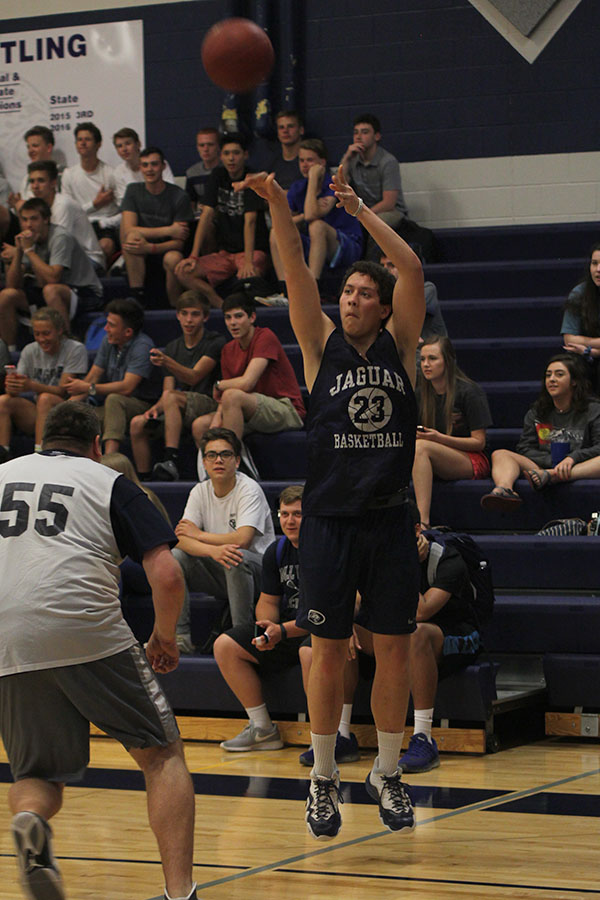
(356, 530)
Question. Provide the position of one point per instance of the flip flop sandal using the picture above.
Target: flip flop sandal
(501, 500)
(537, 478)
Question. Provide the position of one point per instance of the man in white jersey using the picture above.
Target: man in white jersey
(68, 658)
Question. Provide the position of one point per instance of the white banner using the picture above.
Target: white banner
(63, 76)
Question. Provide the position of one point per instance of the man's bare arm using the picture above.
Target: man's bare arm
(311, 326)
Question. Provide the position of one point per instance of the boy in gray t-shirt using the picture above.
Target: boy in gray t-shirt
(43, 368)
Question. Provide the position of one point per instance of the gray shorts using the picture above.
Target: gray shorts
(45, 714)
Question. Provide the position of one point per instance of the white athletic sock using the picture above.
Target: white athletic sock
(344, 728)
(187, 896)
(259, 716)
(324, 750)
(390, 747)
(37, 448)
(423, 722)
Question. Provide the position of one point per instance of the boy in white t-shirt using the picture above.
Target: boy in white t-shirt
(225, 530)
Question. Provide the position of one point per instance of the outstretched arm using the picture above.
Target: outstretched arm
(408, 305)
(311, 326)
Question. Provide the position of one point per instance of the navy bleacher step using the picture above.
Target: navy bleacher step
(510, 400)
(456, 503)
(506, 317)
(535, 562)
(486, 359)
(198, 686)
(538, 241)
(573, 680)
(138, 612)
(506, 278)
(544, 623)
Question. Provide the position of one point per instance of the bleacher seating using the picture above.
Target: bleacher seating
(502, 291)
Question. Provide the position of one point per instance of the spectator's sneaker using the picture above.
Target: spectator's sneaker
(184, 643)
(346, 750)
(252, 738)
(165, 471)
(395, 807)
(323, 818)
(421, 755)
(39, 873)
(273, 300)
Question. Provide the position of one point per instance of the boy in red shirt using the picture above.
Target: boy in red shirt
(258, 389)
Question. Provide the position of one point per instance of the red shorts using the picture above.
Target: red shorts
(218, 267)
(480, 463)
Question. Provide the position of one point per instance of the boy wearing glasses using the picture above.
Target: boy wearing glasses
(225, 530)
(242, 653)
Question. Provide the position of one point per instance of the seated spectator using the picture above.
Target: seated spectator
(225, 530)
(232, 224)
(128, 146)
(434, 325)
(119, 382)
(329, 234)
(40, 147)
(49, 267)
(580, 326)
(454, 415)
(91, 183)
(258, 389)
(243, 656)
(133, 576)
(446, 640)
(560, 440)
(155, 222)
(374, 174)
(289, 134)
(207, 145)
(190, 364)
(43, 180)
(43, 368)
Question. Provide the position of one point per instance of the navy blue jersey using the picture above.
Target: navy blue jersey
(361, 426)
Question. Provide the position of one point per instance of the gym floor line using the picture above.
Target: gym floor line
(483, 805)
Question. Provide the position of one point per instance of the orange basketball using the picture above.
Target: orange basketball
(237, 55)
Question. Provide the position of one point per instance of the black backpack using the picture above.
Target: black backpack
(479, 568)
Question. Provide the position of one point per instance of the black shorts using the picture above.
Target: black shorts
(284, 655)
(111, 232)
(375, 554)
(45, 714)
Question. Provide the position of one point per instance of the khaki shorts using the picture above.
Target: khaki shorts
(196, 404)
(274, 414)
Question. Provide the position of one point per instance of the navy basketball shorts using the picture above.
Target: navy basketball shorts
(374, 553)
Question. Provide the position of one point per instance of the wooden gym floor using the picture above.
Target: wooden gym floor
(518, 824)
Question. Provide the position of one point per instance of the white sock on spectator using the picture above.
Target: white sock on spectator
(259, 716)
(423, 722)
(344, 728)
(324, 750)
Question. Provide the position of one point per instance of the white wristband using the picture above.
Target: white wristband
(359, 208)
